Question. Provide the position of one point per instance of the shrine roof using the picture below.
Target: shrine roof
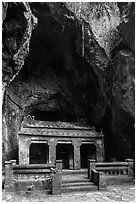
(56, 125)
(57, 128)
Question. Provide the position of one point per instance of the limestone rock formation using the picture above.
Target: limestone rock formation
(59, 60)
(18, 23)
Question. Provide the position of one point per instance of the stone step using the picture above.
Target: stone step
(74, 179)
(80, 183)
(74, 172)
(68, 189)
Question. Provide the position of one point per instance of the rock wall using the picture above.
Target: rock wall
(63, 66)
(18, 23)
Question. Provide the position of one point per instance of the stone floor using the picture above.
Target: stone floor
(120, 189)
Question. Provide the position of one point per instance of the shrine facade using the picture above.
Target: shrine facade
(44, 142)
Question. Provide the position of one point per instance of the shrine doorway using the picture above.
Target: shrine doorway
(87, 151)
(65, 152)
(39, 153)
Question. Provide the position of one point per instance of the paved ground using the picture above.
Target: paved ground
(119, 189)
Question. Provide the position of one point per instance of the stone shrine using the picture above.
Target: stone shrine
(44, 142)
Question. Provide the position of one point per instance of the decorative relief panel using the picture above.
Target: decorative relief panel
(29, 176)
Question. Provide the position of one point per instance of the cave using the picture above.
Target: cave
(60, 64)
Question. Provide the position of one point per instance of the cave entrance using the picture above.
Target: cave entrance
(65, 152)
(87, 151)
(39, 153)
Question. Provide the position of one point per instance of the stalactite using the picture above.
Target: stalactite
(83, 38)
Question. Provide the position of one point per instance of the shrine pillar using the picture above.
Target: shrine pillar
(76, 144)
(24, 144)
(52, 150)
(100, 155)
